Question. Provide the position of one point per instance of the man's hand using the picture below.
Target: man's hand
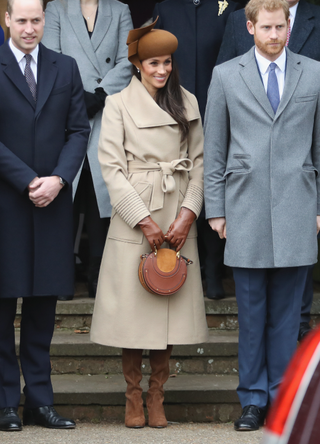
(44, 190)
(218, 224)
(318, 224)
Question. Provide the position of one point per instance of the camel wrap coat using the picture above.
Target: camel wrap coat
(148, 171)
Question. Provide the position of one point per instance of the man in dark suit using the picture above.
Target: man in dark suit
(304, 39)
(43, 137)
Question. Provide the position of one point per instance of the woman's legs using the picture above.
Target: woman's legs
(131, 367)
(159, 361)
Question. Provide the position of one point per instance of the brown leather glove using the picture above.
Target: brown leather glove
(179, 229)
(152, 232)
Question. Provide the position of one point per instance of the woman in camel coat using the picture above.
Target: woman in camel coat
(154, 175)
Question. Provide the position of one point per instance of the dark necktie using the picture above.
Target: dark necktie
(30, 77)
(273, 88)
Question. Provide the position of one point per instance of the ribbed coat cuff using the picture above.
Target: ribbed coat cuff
(193, 199)
(132, 209)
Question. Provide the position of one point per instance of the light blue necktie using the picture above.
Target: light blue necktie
(273, 88)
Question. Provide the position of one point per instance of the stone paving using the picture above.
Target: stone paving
(175, 433)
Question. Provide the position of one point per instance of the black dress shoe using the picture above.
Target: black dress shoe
(215, 290)
(67, 297)
(251, 419)
(46, 417)
(304, 329)
(9, 420)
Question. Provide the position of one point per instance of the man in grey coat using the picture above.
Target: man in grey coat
(262, 157)
(304, 39)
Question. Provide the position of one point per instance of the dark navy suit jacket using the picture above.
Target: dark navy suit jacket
(45, 138)
(304, 39)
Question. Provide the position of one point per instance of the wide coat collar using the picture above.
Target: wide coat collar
(145, 112)
(102, 25)
(47, 73)
(303, 26)
(249, 72)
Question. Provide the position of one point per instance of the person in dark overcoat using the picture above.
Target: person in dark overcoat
(304, 39)
(199, 26)
(43, 137)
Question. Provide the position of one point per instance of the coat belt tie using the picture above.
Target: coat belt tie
(163, 180)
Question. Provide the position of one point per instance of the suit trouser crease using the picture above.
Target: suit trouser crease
(36, 331)
(269, 303)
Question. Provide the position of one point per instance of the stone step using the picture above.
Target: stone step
(73, 353)
(221, 314)
(197, 398)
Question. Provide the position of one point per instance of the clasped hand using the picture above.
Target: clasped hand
(175, 236)
(43, 190)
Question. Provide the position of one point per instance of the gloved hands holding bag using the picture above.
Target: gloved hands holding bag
(152, 232)
(179, 229)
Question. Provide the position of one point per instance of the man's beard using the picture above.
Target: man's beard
(270, 50)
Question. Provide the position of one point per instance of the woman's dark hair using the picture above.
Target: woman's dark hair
(170, 99)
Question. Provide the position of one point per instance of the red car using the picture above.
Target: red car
(295, 415)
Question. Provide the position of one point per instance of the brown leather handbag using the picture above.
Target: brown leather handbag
(163, 272)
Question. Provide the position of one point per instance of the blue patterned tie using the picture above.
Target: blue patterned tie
(30, 77)
(272, 88)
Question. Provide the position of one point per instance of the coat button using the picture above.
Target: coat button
(196, 2)
(108, 60)
(99, 80)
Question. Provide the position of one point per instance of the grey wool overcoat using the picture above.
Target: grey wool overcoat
(261, 168)
(102, 61)
(141, 156)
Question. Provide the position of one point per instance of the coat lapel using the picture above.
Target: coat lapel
(144, 111)
(14, 74)
(47, 73)
(302, 28)
(102, 24)
(249, 72)
(293, 73)
(80, 30)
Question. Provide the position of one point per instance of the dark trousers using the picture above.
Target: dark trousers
(36, 331)
(307, 297)
(269, 305)
(86, 202)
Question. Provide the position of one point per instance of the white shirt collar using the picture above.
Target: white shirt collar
(264, 63)
(19, 54)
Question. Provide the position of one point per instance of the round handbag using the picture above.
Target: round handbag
(163, 272)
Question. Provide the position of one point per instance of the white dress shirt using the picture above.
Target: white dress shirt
(20, 56)
(263, 65)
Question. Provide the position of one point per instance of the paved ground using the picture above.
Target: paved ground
(119, 434)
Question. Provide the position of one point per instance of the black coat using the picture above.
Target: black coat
(49, 138)
(199, 31)
(304, 39)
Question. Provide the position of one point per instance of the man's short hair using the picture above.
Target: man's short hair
(10, 3)
(254, 6)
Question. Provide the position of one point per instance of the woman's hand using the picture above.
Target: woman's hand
(179, 229)
(152, 232)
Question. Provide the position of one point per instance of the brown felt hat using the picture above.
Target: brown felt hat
(144, 43)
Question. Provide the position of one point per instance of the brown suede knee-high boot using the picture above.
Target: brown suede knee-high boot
(131, 366)
(159, 362)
